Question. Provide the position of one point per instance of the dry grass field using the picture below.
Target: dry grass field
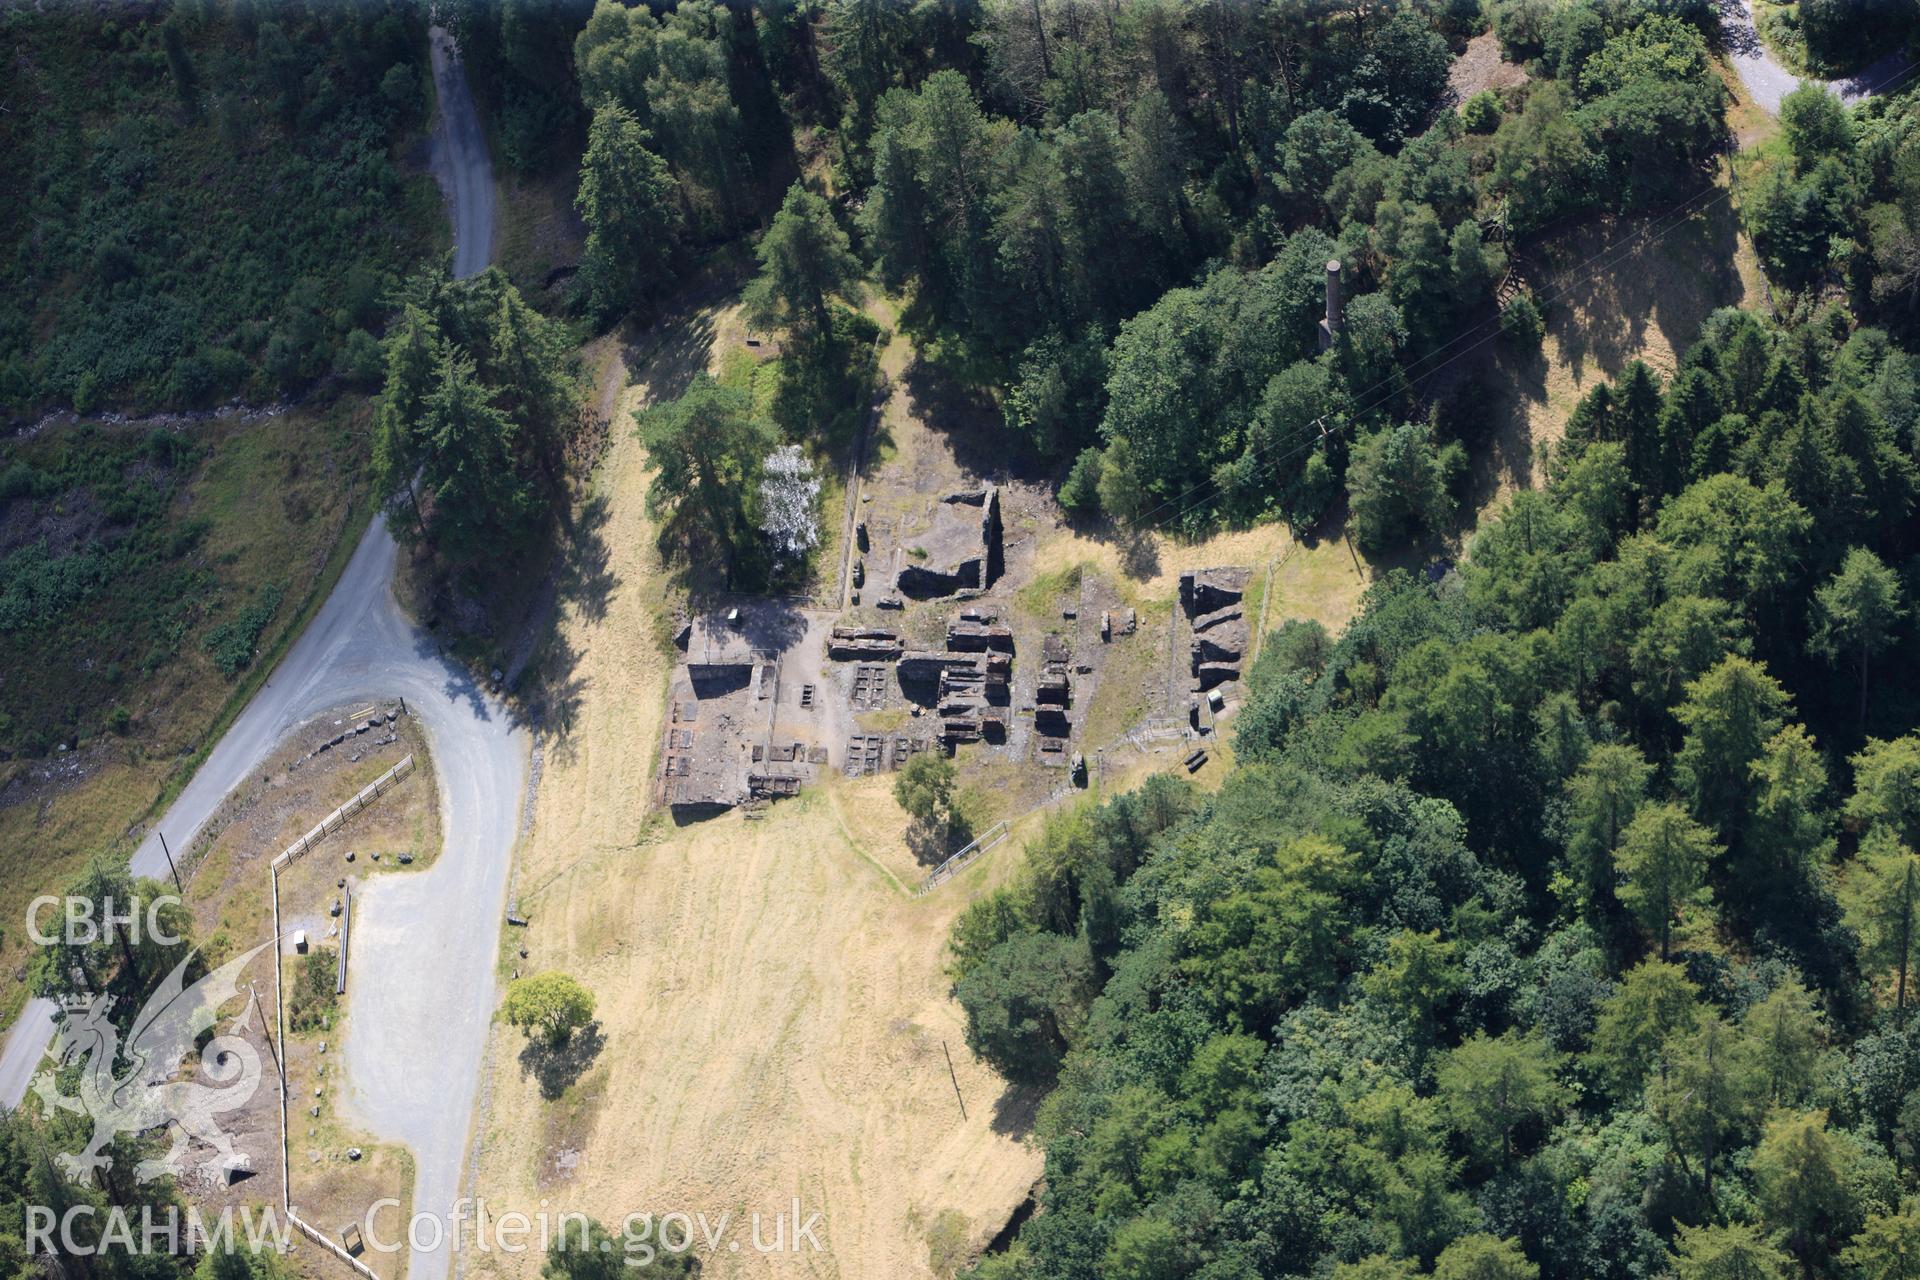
(773, 1002)
(773, 1008)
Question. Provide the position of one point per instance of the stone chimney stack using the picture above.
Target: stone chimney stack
(1330, 327)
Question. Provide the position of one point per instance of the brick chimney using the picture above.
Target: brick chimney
(1330, 327)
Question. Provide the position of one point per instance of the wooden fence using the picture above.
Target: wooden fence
(329, 823)
(332, 821)
(321, 1238)
(987, 839)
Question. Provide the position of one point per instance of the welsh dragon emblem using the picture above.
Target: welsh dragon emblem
(147, 1096)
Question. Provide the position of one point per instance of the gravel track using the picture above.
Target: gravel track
(424, 945)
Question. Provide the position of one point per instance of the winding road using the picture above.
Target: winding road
(424, 945)
(460, 162)
(1768, 82)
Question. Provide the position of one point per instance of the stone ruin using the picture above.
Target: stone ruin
(864, 644)
(881, 753)
(1212, 600)
(1053, 701)
(968, 689)
(961, 552)
(967, 684)
(718, 751)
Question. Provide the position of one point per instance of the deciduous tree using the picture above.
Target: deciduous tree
(1728, 714)
(1708, 1092)
(1654, 1001)
(1416, 978)
(1888, 1247)
(924, 788)
(1736, 1251)
(552, 1004)
(1784, 1036)
(1484, 1257)
(1886, 787)
(1026, 1002)
(707, 449)
(1399, 485)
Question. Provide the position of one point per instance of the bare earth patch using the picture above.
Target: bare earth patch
(1481, 67)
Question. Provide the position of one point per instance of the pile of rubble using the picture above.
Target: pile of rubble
(371, 723)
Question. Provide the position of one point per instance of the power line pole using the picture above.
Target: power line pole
(170, 866)
(954, 1076)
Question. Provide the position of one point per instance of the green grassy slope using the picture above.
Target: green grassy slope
(206, 201)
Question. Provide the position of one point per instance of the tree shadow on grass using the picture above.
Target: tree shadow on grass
(583, 580)
(1137, 548)
(1661, 276)
(587, 581)
(562, 688)
(1139, 554)
(557, 1066)
(1491, 414)
(932, 843)
(969, 422)
(667, 355)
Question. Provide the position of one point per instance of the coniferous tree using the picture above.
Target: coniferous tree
(1858, 610)
(627, 200)
(804, 262)
(1663, 859)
